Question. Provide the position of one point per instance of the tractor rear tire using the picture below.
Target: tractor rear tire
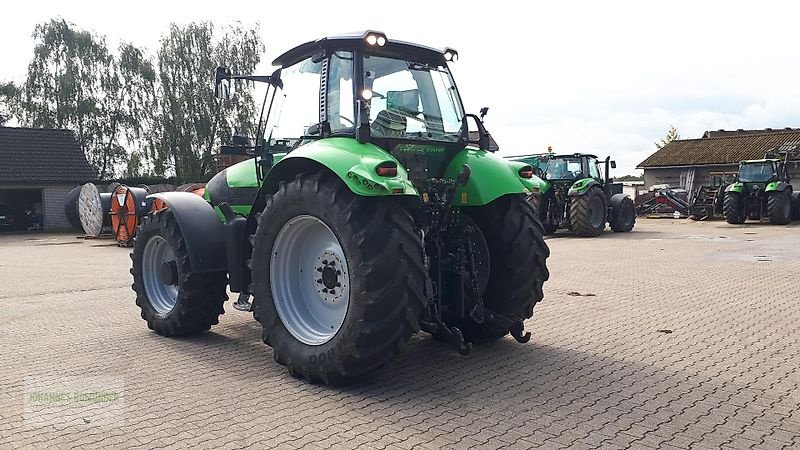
(517, 255)
(779, 207)
(733, 208)
(189, 302)
(587, 213)
(795, 205)
(536, 203)
(379, 279)
(623, 217)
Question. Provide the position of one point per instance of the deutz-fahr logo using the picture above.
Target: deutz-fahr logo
(417, 148)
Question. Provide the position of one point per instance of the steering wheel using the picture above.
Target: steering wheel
(352, 123)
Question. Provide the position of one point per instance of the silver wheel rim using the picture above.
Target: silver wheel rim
(162, 296)
(309, 279)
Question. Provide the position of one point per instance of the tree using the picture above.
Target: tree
(193, 121)
(8, 94)
(671, 135)
(74, 82)
(629, 178)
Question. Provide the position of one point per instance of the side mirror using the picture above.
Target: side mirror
(483, 111)
(222, 83)
(613, 164)
(480, 137)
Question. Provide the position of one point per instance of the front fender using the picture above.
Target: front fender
(351, 161)
(491, 177)
(777, 186)
(201, 228)
(735, 187)
(581, 186)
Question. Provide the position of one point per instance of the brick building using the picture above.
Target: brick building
(38, 168)
(689, 163)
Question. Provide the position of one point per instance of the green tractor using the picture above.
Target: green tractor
(577, 196)
(369, 211)
(761, 190)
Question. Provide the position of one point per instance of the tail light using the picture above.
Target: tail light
(526, 172)
(386, 169)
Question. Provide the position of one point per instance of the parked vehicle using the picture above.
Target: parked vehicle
(578, 196)
(761, 190)
(354, 226)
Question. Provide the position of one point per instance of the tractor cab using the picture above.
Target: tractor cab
(570, 167)
(759, 171)
(396, 95)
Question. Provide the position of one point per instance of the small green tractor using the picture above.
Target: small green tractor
(367, 212)
(577, 196)
(762, 190)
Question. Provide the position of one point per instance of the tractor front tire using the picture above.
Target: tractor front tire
(536, 203)
(587, 212)
(623, 216)
(175, 300)
(517, 256)
(779, 207)
(733, 208)
(338, 279)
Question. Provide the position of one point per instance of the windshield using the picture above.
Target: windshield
(756, 172)
(411, 100)
(562, 169)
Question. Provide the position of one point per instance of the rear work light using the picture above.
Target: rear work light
(526, 172)
(386, 169)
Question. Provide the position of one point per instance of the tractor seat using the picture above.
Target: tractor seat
(389, 124)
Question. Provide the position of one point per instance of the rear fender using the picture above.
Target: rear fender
(491, 177)
(616, 200)
(354, 163)
(202, 230)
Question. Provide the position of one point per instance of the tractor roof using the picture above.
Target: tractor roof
(550, 156)
(574, 155)
(756, 161)
(353, 40)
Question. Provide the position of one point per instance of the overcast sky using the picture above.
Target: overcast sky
(604, 77)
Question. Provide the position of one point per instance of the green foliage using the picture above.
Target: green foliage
(8, 95)
(74, 82)
(193, 121)
(671, 135)
(134, 114)
(629, 178)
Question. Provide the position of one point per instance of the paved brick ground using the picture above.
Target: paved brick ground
(676, 335)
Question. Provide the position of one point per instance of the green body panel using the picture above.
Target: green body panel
(533, 160)
(240, 175)
(581, 186)
(735, 187)
(355, 164)
(776, 186)
(243, 174)
(491, 178)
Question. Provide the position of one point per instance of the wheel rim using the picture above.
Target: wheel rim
(596, 214)
(158, 253)
(309, 280)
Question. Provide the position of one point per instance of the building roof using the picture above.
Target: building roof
(742, 132)
(42, 155)
(727, 148)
